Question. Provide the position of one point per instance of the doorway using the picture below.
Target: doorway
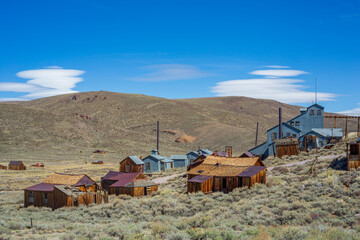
(224, 183)
(145, 191)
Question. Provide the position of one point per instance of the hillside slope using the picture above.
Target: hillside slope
(126, 123)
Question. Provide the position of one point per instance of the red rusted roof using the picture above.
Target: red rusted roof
(199, 179)
(247, 154)
(112, 175)
(41, 187)
(85, 180)
(251, 171)
(123, 179)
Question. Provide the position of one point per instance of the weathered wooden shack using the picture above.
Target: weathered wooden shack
(17, 165)
(41, 165)
(287, 147)
(353, 155)
(132, 164)
(100, 151)
(64, 190)
(133, 184)
(97, 162)
(3, 167)
(224, 174)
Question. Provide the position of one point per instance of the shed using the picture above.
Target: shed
(131, 164)
(64, 190)
(252, 175)
(225, 173)
(133, 184)
(17, 165)
(3, 167)
(287, 147)
(38, 165)
(200, 183)
(180, 160)
(97, 162)
(100, 151)
(353, 155)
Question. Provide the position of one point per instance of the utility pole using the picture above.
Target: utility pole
(257, 132)
(157, 135)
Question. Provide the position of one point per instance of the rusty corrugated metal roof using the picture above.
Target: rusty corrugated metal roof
(123, 179)
(251, 171)
(41, 187)
(15, 163)
(199, 178)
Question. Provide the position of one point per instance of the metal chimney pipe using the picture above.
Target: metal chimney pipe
(157, 135)
(280, 123)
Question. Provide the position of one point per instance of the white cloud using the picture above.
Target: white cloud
(355, 112)
(169, 72)
(282, 90)
(278, 73)
(44, 83)
(276, 66)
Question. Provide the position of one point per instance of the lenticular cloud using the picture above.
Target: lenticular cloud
(44, 82)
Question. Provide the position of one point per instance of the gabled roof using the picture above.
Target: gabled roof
(247, 154)
(328, 132)
(193, 153)
(317, 106)
(216, 170)
(199, 179)
(15, 163)
(240, 162)
(178, 157)
(251, 171)
(69, 179)
(166, 160)
(41, 187)
(123, 179)
(111, 175)
(221, 154)
(206, 151)
(286, 125)
(136, 160)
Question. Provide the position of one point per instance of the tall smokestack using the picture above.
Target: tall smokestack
(280, 123)
(157, 135)
(229, 151)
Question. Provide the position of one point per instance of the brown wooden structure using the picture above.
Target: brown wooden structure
(224, 174)
(64, 190)
(353, 155)
(97, 162)
(346, 117)
(287, 147)
(16, 165)
(100, 151)
(3, 167)
(38, 165)
(134, 184)
(131, 164)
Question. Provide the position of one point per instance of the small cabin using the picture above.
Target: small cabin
(3, 167)
(100, 151)
(353, 155)
(41, 165)
(287, 147)
(134, 184)
(157, 163)
(16, 165)
(97, 162)
(64, 190)
(132, 164)
(224, 174)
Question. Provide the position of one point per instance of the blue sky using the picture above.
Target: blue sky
(183, 49)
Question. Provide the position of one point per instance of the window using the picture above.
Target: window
(147, 166)
(292, 123)
(318, 112)
(273, 136)
(312, 112)
(127, 167)
(297, 123)
(31, 198)
(288, 134)
(45, 199)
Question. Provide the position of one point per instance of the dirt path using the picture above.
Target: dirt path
(309, 160)
(165, 179)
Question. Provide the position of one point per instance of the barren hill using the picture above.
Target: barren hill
(126, 123)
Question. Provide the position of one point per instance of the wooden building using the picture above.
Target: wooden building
(3, 167)
(100, 151)
(64, 190)
(224, 174)
(353, 155)
(97, 162)
(38, 165)
(133, 184)
(287, 147)
(131, 164)
(16, 165)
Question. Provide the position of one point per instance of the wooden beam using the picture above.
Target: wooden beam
(358, 127)
(346, 128)
(335, 123)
